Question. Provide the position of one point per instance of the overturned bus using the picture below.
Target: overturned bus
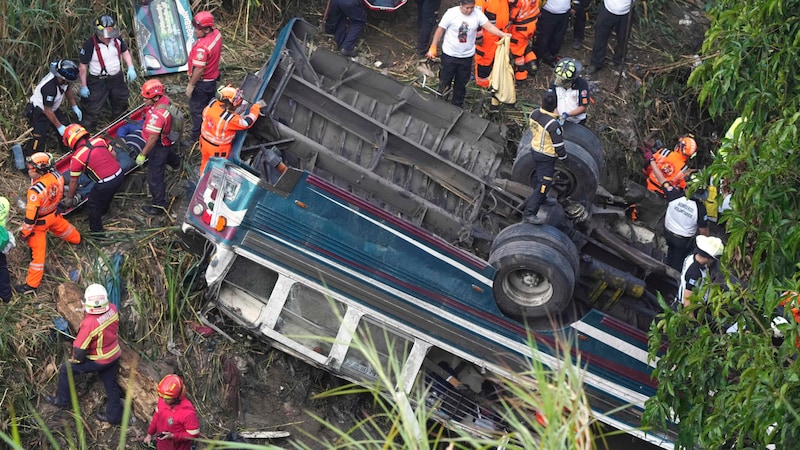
(359, 207)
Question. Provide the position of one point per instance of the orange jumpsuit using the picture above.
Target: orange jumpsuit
(219, 128)
(673, 165)
(524, 16)
(41, 216)
(486, 43)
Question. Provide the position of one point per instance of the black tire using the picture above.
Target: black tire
(577, 177)
(544, 234)
(532, 281)
(584, 137)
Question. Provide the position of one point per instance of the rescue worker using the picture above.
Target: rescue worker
(345, 20)
(203, 69)
(43, 110)
(174, 425)
(614, 16)
(572, 91)
(497, 11)
(550, 31)
(457, 31)
(95, 349)
(158, 147)
(100, 72)
(98, 161)
(41, 216)
(221, 122)
(547, 143)
(426, 21)
(671, 164)
(524, 15)
(694, 273)
(685, 217)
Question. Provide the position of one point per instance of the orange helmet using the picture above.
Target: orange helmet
(151, 88)
(40, 161)
(686, 145)
(203, 19)
(171, 387)
(231, 95)
(72, 134)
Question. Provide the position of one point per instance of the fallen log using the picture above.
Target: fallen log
(144, 379)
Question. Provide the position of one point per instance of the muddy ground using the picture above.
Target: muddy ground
(277, 391)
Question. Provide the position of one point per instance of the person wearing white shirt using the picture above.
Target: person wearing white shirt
(613, 16)
(457, 31)
(551, 29)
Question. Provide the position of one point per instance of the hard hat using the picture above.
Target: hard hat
(686, 145)
(151, 88)
(230, 94)
(203, 19)
(104, 27)
(72, 134)
(64, 69)
(710, 245)
(95, 299)
(171, 387)
(4, 208)
(567, 69)
(40, 161)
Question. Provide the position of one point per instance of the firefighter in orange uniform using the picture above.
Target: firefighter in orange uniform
(221, 122)
(672, 164)
(524, 15)
(41, 216)
(486, 43)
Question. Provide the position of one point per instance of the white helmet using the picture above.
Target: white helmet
(95, 299)
(710, 245)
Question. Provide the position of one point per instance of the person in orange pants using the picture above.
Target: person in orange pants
(221, 122)
(486, 43)
(41, 216)
(524, 14)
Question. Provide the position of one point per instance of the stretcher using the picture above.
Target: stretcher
(127, 149)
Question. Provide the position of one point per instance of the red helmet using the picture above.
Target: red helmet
(171, 387)
(151, 88)
(687, 145)
(203, 19)
(72, 134)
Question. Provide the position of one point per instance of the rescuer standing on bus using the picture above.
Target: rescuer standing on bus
(158, 147)
(41, 216)
(101, 75)
(174, 425)
(99, 161)
(203, 68)
(221, 122)
(95, 349)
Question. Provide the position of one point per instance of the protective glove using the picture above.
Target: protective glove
(69, 202)
(431, 52)
(61, 129)
(131, 74)
(140, 159)
(189, 90)
(78, 112)
(84, 91)
(564, 116)
(25, 237)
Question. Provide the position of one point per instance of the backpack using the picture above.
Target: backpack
(176, 129)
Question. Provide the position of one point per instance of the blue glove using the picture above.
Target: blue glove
(78, 113)
(84, 91)
(61, 129)
(131, 74)
(564, 116)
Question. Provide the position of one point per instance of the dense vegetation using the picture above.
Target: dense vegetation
(741, 390)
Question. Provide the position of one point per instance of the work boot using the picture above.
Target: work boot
(154, 210)
(534, 219)
(51, 399)
(577, 44)
(349, 52)
(24, 289)
(102, 417)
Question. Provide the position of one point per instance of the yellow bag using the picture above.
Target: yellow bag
(501, 80)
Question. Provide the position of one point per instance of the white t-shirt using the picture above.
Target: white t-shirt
(617, 7)
(557, 6)
(460, 31)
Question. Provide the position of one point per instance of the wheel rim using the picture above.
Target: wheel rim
(564, 182)
(528, 288)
